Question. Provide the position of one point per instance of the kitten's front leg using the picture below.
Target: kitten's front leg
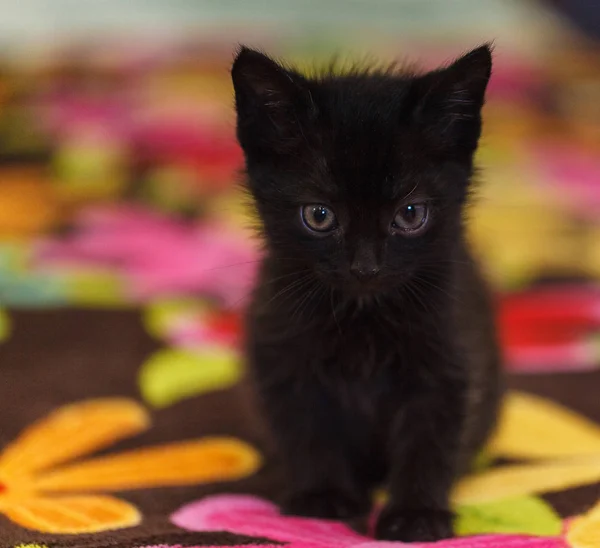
(319, 448)
(425, 444)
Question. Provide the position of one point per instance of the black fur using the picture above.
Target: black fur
(388, 378)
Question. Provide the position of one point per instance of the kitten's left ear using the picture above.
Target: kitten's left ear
(452, 98)
(272, 103)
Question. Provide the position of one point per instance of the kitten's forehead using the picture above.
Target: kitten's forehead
(364, 138)
(368, 153)
(355, 105)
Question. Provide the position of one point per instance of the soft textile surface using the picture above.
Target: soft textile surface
(126, 261)
(85, 452)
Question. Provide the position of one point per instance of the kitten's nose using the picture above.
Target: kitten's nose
(364, 273)
(365, 264)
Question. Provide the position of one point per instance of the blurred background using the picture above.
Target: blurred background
(118, 162)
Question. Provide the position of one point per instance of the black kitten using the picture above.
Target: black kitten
(371, 334)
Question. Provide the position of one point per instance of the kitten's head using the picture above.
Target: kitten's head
(361, 178)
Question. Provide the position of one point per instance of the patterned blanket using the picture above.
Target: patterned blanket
(125, 263)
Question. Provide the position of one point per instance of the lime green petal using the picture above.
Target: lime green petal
(4, 325)
(159, 316)
(96, 288)
(171, 375)
(526, 515)
(482, 462)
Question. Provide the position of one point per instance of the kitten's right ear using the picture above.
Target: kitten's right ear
(272, 103)
(451, 102)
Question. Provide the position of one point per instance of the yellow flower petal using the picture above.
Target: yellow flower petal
(584, 532)
(532, 427)
(71, 515)
(70, 432)
(185, 463)
(525, 479)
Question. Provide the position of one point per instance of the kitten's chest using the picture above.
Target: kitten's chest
(365, 348)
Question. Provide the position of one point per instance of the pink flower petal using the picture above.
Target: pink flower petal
(488, 541)
(251, 516)
(158, 256)
(246, 515)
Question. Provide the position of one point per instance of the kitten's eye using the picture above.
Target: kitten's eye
(318, 218)
(410, 218)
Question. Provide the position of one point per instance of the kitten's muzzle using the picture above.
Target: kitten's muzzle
(364, 273)
(365, 264)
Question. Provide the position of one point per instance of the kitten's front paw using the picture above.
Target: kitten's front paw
(326, 504)
(421, 525)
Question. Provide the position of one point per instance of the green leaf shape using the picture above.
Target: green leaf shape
(96, 289)
(171, 375)
(526, 515)
(481, 462)
(5, 326)
(159, 316)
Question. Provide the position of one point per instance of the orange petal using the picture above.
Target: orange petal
(28, 204)
(71, 515)
(70, 432)
(584, 532)
(527, 479)
(533, 427)
(185, 463)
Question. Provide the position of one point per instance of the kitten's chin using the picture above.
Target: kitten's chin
(364, 292)
(352, 289)
(374, 292)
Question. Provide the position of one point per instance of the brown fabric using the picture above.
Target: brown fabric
(578, 391)
(55, 357)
